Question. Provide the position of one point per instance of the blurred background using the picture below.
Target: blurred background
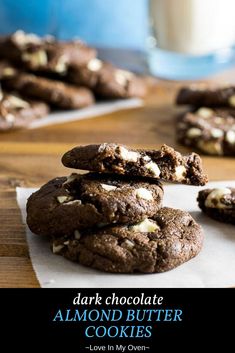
(181, 39)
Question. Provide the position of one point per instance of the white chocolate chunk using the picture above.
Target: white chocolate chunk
(36, 59)
(17, 102)
(230, 137)
(10, 118)
(218, 120)
(66, 242)
(146, 226)
(153, 168)
(122, 76)
(129, 156)
(8, 71)
(180, 172)
(108, 187)
(231, 101)
(77, 235)
(145, 194)
(193, 132)
(146, 158)
(22, 39)
(57, 248)
(62, 64)
(78, 202)
(210, 147)
(128, 244)
(216, 195)
(216, 133)
(62, 199)
(94, 65)
(205, 112)
(70, 179)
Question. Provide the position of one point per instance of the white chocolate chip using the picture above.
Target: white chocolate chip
(122, 76)
(22, 39)
(146, 158)
(78, 202)
(94, 65)
(153, 168)
(17, 102)
(77, 235)
(128, 244)
(129, 156)
(146, 226)
(108, 187)
(180, 172)
(10, 118)
(36, 59)
(230, 137)
(66, 242)
(216, 133)
(210, 147)
(231, 101)
(57, 248)
(143, 193)
(216, 195)
(8, 71)
(62, 199)
(205, 112)
(102, 147)
(193, 132)
(218, 120)
(62, 64)
(70, 179)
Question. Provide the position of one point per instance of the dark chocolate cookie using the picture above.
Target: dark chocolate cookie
(167, 240)
(166, 163)
(106, 80)
(211, 131)
(207, 96)
(218, 203)
(17, 112)
(44, 54)
(64, 205)
(56, 93)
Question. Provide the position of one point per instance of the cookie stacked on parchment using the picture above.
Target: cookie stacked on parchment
(61, 75)
(209, 126)
(112, 218)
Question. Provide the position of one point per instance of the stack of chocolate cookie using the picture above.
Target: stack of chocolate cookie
(209, 126)
(62, 75)
(112, 218)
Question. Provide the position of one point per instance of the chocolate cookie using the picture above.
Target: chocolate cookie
(167, 240)
(44, 54)
(212, 131)
(166, 163)
(56, 93)
(64, 205)
(218, 203)
(17, 112)
(106, 80)
(207, 96)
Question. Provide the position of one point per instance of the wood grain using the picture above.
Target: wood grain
(32, 157)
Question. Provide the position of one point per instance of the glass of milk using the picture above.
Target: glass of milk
(190, 38)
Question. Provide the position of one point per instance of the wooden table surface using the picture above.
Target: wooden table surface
(32, 157)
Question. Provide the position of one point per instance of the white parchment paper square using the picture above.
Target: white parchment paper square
(213, 267)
